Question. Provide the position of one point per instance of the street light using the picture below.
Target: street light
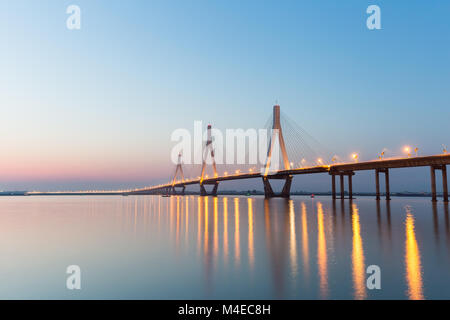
(407, 150)
(355, 157)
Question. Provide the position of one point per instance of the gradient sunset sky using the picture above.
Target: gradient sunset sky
(94, 108)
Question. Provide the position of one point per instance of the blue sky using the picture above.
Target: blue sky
(94, 108)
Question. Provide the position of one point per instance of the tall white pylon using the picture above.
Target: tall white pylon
(277, 134)
(209, 149)
(178, 170)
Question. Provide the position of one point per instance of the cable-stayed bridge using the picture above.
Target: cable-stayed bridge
(288, 141)
(288, 169)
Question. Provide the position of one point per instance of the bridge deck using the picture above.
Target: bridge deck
(435, 160)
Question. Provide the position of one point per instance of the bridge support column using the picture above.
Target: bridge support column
(268, 192)
(333, 186)
(433, 184)
(350, 186)
(444, 182)
(182, 192)
(166, 191)
(443, 169)
(377, 184)
(342, 175)
(213, 193)
(202, 190)
(285, 193)
(386, 178)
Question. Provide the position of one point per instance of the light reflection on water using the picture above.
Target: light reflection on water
(225, 247)
(412, 260)
(358, 265)
(322, 254)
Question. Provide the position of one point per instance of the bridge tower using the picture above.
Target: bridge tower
(277, 135)
(178, 171)
(203, 180)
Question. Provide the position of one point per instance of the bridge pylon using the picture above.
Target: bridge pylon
(277, 135)
(208, 150)
(178, 172)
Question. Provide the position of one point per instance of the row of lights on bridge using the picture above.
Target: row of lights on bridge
(354, 156)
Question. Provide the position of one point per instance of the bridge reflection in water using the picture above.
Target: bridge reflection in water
(237, 247)
(299, 248)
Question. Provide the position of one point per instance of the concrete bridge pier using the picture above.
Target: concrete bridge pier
(433, 184)
(213, 192)
(182, 192)
(377, 183)
(341, 175)
(443, 169)
(386, 182)
(164, 191)
(285, 193)
(350, 185)
(333, 186)
(444, 182)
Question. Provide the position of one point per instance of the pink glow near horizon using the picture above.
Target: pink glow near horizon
(73, 170)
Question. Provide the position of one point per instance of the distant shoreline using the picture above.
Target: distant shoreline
(224, 193)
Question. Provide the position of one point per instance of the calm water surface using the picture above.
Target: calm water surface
(151, 247)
